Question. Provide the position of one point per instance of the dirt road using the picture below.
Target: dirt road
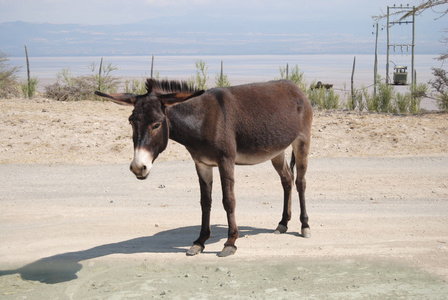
(76, 224)
(379, 231)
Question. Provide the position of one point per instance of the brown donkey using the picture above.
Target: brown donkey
(224, 127)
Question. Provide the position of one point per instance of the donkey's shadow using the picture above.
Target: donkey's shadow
(63, 267)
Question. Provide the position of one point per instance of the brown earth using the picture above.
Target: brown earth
(76, 224)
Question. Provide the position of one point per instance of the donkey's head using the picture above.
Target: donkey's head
(149, 121)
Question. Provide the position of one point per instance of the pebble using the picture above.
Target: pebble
(221, 269)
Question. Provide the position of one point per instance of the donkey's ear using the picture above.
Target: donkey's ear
(177, 98)
(120, 98)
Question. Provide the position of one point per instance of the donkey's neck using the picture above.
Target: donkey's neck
(185, 123)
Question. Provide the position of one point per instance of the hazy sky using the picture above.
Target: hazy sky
(349, 19)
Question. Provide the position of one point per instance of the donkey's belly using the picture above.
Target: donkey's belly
(255, 158)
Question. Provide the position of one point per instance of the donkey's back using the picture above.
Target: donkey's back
(258, 120)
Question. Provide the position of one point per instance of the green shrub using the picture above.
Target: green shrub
(322, 98)
(294, 75)
(104, 81)
(221, 80)
(384, 97)
(200, 80)
(417, 93)
(355, 101)
(135, 87)
(401, 103)
(29, 88)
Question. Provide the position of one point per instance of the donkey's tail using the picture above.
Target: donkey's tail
(292, 163)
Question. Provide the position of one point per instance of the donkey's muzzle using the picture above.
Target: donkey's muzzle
(142, 163)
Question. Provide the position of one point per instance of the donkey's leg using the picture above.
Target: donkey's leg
(301, 149)
(281, 166)
(226, 171)
(205, 174)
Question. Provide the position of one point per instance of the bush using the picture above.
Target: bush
(440, 84)
(9, 87)
(83, 87)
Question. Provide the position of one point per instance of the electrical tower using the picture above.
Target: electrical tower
(406, 45)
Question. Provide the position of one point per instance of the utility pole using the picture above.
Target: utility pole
(412, 44)
(375, 67)
(387, 56)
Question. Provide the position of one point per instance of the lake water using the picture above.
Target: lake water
(333, 69)
(242, 68)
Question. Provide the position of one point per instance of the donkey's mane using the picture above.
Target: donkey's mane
(169, 86)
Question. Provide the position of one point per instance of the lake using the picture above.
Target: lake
(242, 68)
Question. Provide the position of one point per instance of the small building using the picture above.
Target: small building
(400, 75)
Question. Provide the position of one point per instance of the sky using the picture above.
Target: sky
(346, 18)
(98, 12)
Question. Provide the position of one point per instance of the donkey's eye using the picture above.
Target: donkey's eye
(155, 126)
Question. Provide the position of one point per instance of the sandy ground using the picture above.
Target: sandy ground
(76, 224)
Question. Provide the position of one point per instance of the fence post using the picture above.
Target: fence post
(375, 67)
(152, 66)
(28, 72)
(99, 75)
(221, 71)
(353, 74)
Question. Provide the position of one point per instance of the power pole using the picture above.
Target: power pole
(412, 44)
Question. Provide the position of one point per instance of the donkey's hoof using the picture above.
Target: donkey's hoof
(194, 250)
(306, 233)
(227, 251)
(281, 229)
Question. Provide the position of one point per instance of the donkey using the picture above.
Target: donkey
(224, 127)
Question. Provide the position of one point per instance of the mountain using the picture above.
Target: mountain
(187, 35)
